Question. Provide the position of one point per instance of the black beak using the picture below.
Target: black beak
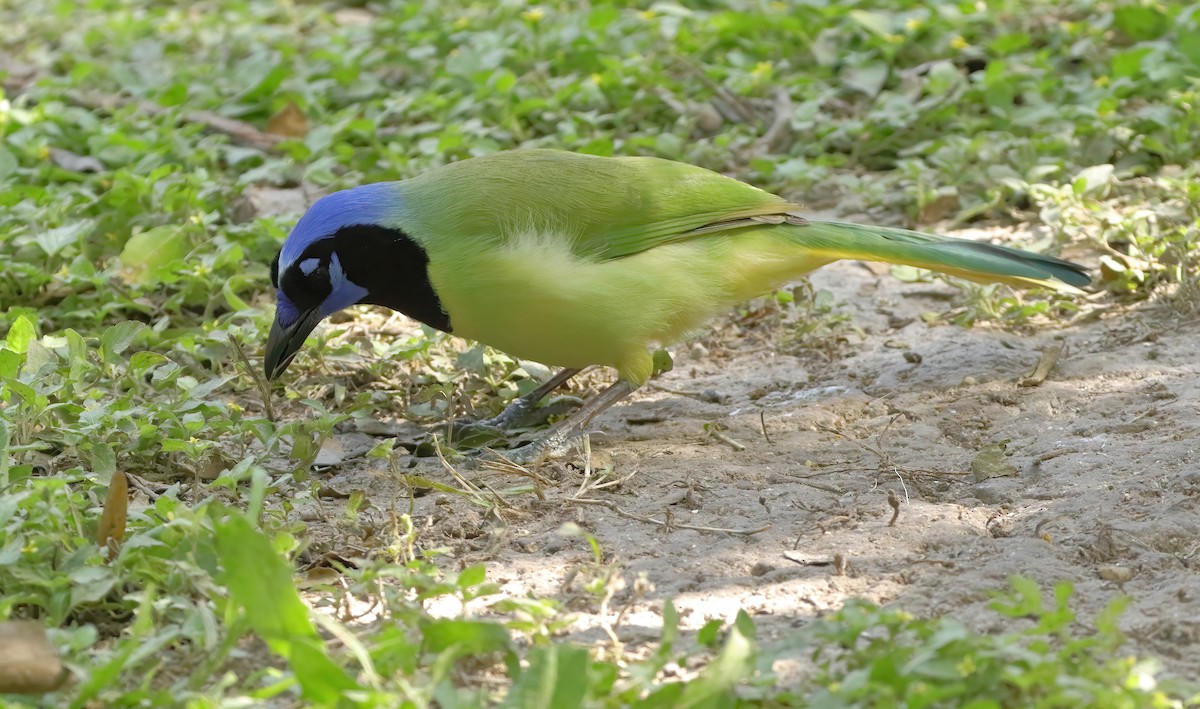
(284, 342)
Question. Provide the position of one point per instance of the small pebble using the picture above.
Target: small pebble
(761, 568)
(1116, 574)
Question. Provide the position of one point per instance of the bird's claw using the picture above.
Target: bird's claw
(554, 445)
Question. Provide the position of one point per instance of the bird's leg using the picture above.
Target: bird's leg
(514, 412)
(577, 422)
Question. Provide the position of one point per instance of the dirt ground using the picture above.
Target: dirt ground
(1098, 485)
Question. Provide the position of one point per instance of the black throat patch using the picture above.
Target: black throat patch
(392, 267)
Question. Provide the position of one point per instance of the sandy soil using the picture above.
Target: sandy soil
(1102, 487)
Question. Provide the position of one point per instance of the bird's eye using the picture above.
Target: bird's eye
(307, 280)
(310, 266)
(312, 277)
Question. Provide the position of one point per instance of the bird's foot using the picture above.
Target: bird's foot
(510, 427)
(554, 445)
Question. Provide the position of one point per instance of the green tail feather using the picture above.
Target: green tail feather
(959, 257)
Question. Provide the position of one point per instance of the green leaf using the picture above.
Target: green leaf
(118, 338)
(1129, 63)
(141, 361)
(473, 359)
(710, 633)
(1188, 44)
(670, 631)
(260, 582)
(745, 624)
(10, 363)
(1141, 22)
(472, 576)
(54, 240)
(232, 298)
(104, 460)
(1093, 181)
(867, 79)
(877, 23)
(8, 163)
(147, 256)
(469, 637)
(557, 676)
(732, 665)
(37, 356)
(4, 461)
(27, 394)
(20, 334)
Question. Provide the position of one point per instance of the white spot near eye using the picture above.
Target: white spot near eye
(337, 275)
(308, 265)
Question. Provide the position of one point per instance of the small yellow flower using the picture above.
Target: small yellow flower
(959, 43)
(462, 23)
(912, 24)
(966, 667)
(533, 14)
(1101, 81)
(762, 69)
(647, 15)
(779, 6)
(597, 79)
(895, 39)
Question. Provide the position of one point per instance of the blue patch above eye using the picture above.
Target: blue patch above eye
(376, 203)
(285, 312)
(308, 265)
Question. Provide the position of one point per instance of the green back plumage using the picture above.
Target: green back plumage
(607, 208)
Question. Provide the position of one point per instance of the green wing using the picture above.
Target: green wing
(606, 207)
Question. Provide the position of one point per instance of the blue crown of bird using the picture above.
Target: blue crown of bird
(577, 260)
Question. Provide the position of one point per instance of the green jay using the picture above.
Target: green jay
(577, 260)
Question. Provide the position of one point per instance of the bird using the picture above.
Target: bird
(575, 260)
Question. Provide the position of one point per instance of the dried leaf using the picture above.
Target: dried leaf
(29, 663)
(1045, 365)
(290, 121)
(992, 463)
(116, 510)
(319, 576)
(1116, 574)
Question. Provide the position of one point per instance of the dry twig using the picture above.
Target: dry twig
(670, 524)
